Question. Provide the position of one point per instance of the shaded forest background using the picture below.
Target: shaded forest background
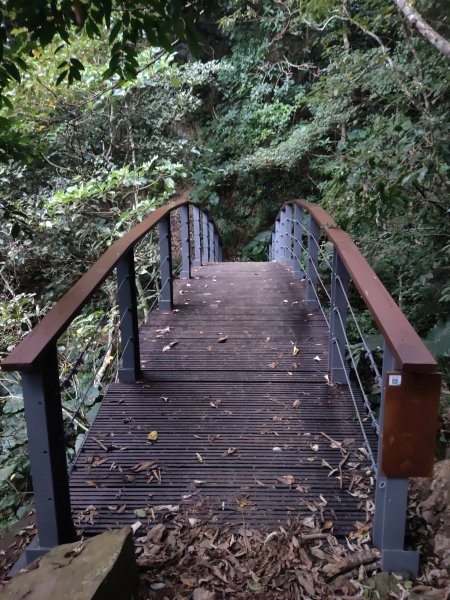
(342, 103)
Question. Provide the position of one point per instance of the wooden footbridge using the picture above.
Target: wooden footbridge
(240, 397)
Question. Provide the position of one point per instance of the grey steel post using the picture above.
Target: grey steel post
(391, 502)
(272, 247)
(313, 262)
(288, 234)
(277, 238)
(298, 230)
(205, 243)
(211, 242)
(185, 243)
(43, 414)
(338, 320)
(197, 242)
(283, 234)
(130, 369)
(216, 247)
(165, 253)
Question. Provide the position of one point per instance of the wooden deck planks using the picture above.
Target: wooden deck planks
(237, 420)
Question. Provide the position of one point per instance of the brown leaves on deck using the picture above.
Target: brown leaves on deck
(169, 346)
(235, 561)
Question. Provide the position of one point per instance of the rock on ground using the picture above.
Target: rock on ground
(434, 505)
(101, 568)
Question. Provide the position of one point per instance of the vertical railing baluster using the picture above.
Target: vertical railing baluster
(277, 237)
(313, 263)
(272, 246)
(47, 451)
(288, 234)
(338, 319)
(391, 500)
(197, 238)
(165, 252)
(205, 242)
(130, 369)
(216, 247)
(211, 242)
(298, 231)
(185, 243)
(283, 232)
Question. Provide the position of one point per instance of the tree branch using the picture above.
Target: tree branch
(417, 21)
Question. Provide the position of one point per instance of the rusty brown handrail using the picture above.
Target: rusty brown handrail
(33, 346)
(406, 345)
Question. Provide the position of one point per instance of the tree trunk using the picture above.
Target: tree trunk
(417, 21)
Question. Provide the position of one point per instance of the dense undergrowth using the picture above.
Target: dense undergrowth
(344, 105)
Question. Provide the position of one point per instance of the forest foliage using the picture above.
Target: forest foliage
(340, 103)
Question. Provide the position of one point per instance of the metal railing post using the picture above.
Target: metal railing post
(283, 233)
(185, 244)
(338, 319)
(211, 242)
(165, 252)
(43, 414)
(197, 240)
(298, 231)
(216, 247)
(288, 254)
(313, 262)
(272, 247)
(130, 369)
(391, 501)
(277, 238)
(205, 243)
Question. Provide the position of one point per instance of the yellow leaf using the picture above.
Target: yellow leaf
(152, 436)
(36, 53)
(295, 351)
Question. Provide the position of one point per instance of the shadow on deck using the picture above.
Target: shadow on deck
(245, 424)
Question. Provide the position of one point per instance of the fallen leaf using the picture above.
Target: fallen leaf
(91, 483)
(296, 404)
(317, 358)
(199, 457)
(276, 449)
(286, 479)
(273, 365)
(164, 330)
(314, 447)
(141, 513)
(222, 339)
(268, 338)
(169, 346)
(136, 526)
(152, 436)
(295, 350)
(143, 466)
(243, 502)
